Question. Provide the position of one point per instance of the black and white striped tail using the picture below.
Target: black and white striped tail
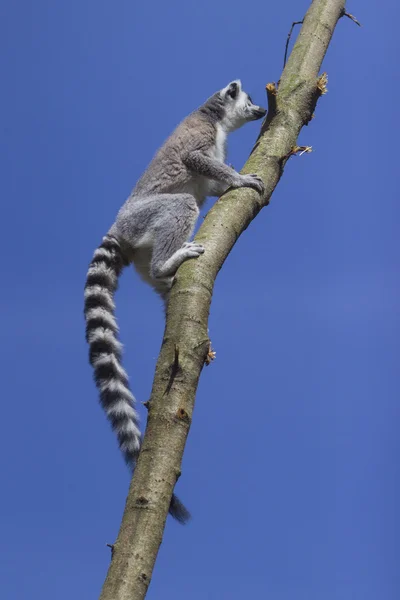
(105, 349)
(105, 353)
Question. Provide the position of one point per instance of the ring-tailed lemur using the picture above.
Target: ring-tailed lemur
(151, 231)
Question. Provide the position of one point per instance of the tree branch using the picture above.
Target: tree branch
(185, 346)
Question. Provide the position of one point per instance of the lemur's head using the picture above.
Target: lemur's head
(239, 107)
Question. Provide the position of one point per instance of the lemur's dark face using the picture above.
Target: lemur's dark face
(239, 107)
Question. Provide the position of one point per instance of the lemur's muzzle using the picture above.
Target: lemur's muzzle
(259, 112)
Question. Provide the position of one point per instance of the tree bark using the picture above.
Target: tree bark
(185, 345)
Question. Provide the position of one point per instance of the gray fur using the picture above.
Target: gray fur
(152, 231)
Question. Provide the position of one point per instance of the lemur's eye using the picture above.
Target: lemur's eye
(249, 99)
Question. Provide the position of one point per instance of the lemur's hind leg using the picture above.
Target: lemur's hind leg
(172, 231)
(168, 268)
(163, 223)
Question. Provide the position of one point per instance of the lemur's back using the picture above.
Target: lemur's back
(167, 173)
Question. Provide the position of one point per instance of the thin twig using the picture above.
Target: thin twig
(352, 17)
(288, 39)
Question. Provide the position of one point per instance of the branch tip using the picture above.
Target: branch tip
(299, 150)
(304, 149)
(351, 17)
(211, 355)
(322, 82)
(272, 91)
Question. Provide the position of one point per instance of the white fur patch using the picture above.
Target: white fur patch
(235, 108)
(98, 290)
(102, 313)
(103, 252)
(104, 335)
(122, 407)
(219, 150)
(146, 241)
(131, 445)
(110, 359)
(128, 427)
(114, 386)
(102, 269)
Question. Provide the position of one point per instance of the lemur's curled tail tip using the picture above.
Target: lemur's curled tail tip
(178, 510)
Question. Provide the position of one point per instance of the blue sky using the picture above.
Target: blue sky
(291, 467)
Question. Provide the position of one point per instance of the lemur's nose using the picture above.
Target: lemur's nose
(260, 112)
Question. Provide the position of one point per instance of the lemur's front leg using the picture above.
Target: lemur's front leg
(176, 217)
(200, 163)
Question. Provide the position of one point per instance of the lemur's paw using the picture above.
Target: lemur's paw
(193, 249)
(253, 181)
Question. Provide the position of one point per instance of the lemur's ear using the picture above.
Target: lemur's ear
(233, 88)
